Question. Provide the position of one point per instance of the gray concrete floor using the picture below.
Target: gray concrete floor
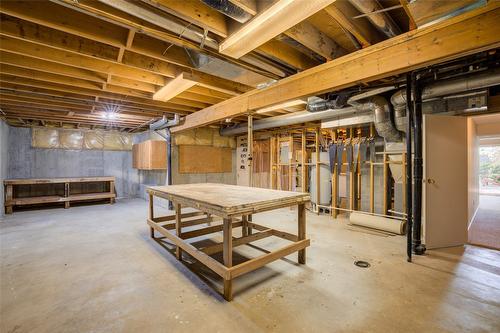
(95, 269)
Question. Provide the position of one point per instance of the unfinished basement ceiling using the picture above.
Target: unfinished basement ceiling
(98, 64)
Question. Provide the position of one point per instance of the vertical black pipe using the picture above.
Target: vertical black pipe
(169, 163)
(409, 183)
(418, 248)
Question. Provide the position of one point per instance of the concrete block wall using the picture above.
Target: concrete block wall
(19, 159)
(4, 137)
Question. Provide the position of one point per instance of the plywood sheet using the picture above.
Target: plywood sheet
(230, 199)
(205, 159)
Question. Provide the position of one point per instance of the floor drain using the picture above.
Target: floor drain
(362, 264)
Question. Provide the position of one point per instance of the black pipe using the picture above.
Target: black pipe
(169, 163)
(409, 222)
(418, 247)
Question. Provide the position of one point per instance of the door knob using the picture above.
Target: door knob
(431, 181)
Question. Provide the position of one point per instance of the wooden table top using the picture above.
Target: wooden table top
(57, 180)
(229, 200)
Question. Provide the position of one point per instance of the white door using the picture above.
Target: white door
(445, 181)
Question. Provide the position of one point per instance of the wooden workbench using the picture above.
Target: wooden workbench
(235, 205)
(36, 191)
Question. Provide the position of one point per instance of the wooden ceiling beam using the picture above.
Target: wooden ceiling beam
(283, 52)
(57, 105)
(277, 18)
(43, 52)
(50, 67)
(343, 12)
(102, 122)
(315, 40)
(466, 34)
(140, 61)
(173, 88)
(189, 95)
(63, 90)
(250, 6)
(55, 16)
(411, 21)
(47, 80)
(57, 78)
(75, 116)
(196, 12)
(56, 97)
(210, 92)
(109, 14)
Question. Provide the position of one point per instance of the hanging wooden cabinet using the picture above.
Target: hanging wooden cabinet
(150, 155)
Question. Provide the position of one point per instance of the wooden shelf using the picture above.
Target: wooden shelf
(90, 196)
(13, 186)
(35, 200)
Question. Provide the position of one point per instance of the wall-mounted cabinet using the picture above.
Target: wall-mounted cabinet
(150, 155)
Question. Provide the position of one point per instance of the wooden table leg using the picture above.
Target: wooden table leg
(151, 215)
(228, 256)
(66, 195)
(302, 231)
(249, 227)
(112, 191)
(244, 227)
(178, 229)
(8, 197)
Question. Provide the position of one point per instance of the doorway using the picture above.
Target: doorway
(484, 229)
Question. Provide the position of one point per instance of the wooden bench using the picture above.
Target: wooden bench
(34, 191)
(234, 205)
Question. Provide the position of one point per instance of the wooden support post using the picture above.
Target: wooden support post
(290, 161)
(351, 178)
(178, 229)
(278, 163)
(8, 198)
(227, 253)
(316, 146)
(334, 183)
(151, 215)
(303, 162)
(302, 231)
(250, 150)
(271, 162)
(112, 191)
(386, 187)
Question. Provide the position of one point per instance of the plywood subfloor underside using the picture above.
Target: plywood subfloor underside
(94, 268)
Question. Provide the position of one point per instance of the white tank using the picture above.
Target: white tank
(325, 179)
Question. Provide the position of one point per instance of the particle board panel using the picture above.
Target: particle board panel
(150, 155)
(205, 159)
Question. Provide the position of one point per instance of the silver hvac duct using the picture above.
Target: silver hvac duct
(165, 123)
(376, 104)
(381, 116)
(381, 20)
(443, 88)
(229, 9)
(288, 119)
